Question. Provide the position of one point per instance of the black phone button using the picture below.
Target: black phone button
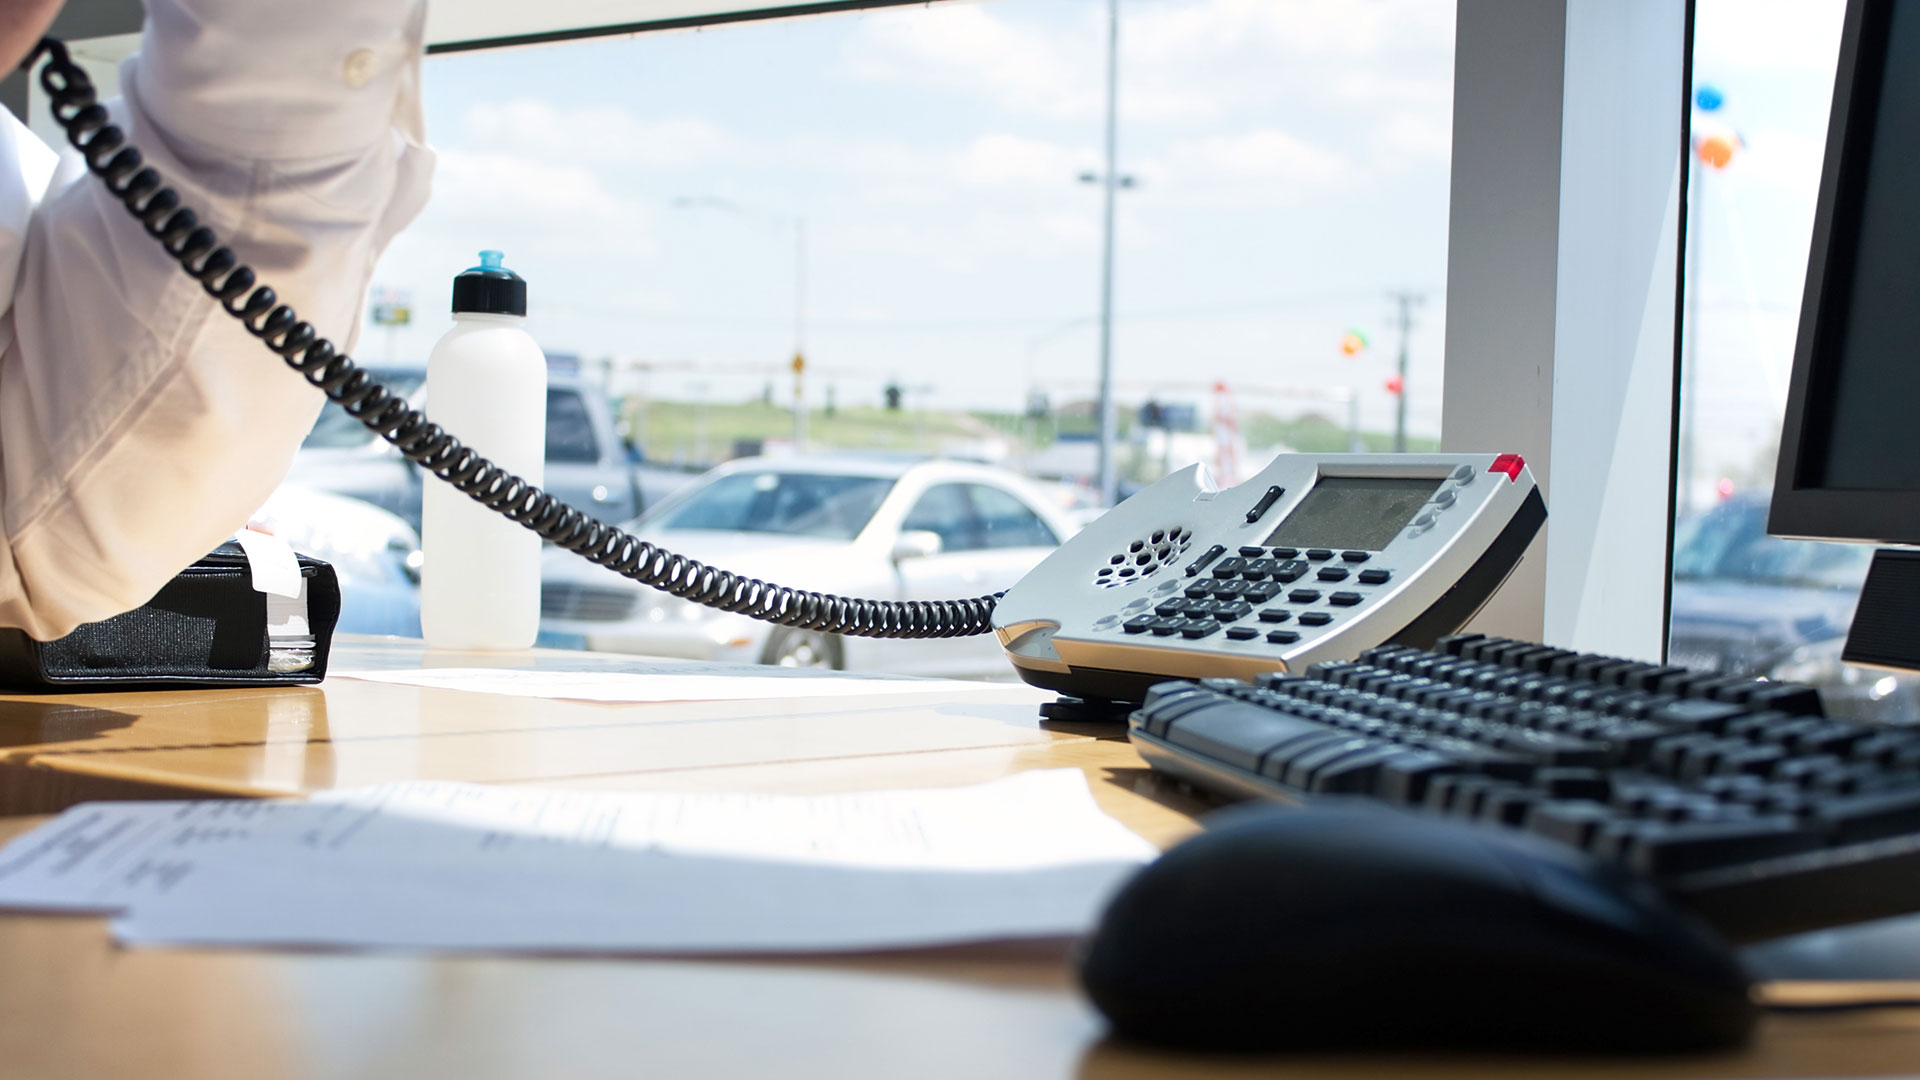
(1356, 556)
(1282, 637)
(1252, 552)
(1275, 615)
(1272, 496)
(1333, 573)
(1229, 566)
(1138, 624)
(1199, 628)
(1344, 599)
(1259, 568)
(1262, 591)
(1375, 576)
(1242, 633)
(1315, 618)
(1200, 563)
(1285, 553)
(1176, 606)
(1304, 596)
(1229, 610)
(1199, 590)
(1319, 554)
(1289, 571)
(1166, 626)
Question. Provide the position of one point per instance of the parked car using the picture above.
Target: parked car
(1753, 605)
(586, 463)
(375, 555)
(855, 526)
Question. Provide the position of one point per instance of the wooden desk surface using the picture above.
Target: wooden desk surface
(73, 1004)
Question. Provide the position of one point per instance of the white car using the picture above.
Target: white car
(853, 526)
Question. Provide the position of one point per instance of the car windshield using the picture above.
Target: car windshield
(336, 430)
(795, 504)
(1730, 543)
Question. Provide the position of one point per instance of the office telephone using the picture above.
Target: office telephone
(1419, 541)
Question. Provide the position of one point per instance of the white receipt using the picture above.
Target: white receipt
(677, 683)
(274, 566)
(457, 866)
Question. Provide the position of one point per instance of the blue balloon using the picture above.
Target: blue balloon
(1708, 98)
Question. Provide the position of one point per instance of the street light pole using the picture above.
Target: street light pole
(1109, 424)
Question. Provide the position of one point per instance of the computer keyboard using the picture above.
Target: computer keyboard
(1736, 796)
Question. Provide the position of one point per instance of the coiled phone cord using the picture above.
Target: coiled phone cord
(104, 147)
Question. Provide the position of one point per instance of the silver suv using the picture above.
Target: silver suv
(586, 464)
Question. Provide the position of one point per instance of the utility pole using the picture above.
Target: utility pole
(1109, 421)
(1407, 302)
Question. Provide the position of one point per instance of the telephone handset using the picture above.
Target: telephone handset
(1315, 558)
(1095, 619)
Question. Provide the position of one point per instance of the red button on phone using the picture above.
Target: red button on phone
(1511, 464)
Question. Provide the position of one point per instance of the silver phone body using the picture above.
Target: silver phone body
(1445, 528)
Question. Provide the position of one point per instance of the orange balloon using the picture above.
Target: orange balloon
(1716, 149)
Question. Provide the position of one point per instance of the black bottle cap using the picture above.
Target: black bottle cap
(490, 288)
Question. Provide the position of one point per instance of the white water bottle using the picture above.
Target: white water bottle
(487, 387)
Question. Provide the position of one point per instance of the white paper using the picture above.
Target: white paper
(667, 684)
(456, 866)
(271, 561)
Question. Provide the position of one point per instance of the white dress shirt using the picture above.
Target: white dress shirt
(140, 425)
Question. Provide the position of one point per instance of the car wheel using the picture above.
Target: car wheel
(792, 647)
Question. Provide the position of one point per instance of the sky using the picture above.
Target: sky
(1290, 160)
(1290, 166)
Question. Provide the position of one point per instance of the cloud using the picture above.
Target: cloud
(600, 134)
(499, 199)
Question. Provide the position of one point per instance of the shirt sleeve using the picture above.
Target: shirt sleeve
(140, 425)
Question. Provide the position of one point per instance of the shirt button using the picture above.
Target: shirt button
(359, 68)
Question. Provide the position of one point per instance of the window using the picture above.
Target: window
(796, 504)
(570, 438)
(1745, 603)
(1006, 522)
(945, 511)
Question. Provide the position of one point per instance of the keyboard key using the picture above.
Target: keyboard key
(1282, 637)
(1356, 556)
(1275, 615)
(1176, 606)
(1668, 850)
(1229, 567)
(1138, 624)
(1199, 564)
(1375, 576)
(1260, 569)
(1315, 618)
(1332, 573)
(1200, 589)
(1229, 610)
(1252, 552)
(1242, 633)
(1290, 571)
(1872, 816)
(1260, 592)
(1199, 628)
(1240, 734)
(1572, 822)
(1163, 627)
(1303, 596)
(1344, 599)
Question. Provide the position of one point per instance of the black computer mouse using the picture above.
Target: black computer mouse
(1363, 927)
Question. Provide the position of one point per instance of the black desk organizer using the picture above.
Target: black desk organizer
(206, 628)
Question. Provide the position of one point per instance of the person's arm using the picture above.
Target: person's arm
(139, 424)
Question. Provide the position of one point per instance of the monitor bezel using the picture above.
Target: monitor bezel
(1801, 510)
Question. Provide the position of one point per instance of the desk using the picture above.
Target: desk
(71, 1004)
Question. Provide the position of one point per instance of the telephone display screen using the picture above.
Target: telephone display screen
(1360, 513)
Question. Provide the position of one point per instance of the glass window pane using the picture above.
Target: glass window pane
(944, 510)
(1006, 522)
(570, 437)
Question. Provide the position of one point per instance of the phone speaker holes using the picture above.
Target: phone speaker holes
(1141, 558)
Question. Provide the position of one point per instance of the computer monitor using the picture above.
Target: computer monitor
(1849, 466)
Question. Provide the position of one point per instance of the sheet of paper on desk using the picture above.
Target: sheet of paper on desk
(453, 866)
(679, 682)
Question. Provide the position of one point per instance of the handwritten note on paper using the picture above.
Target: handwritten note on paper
(668, 684)
(456, 866)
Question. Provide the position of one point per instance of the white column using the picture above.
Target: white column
(1561, 298)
